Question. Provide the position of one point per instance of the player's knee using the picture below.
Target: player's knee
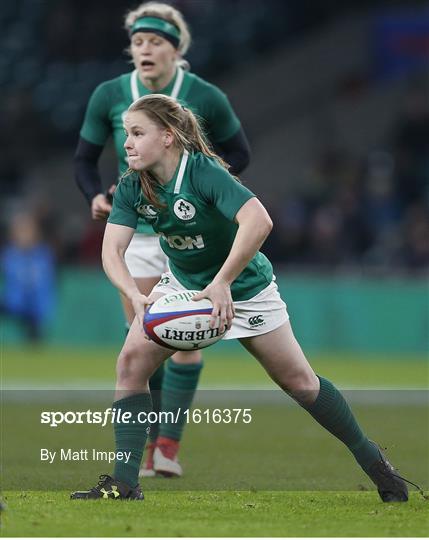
(303, 386)
(127, 366)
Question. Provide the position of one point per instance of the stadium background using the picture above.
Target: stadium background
(334, 99)
(339, 154)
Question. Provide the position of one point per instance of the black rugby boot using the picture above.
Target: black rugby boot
(109, 488)
(390, 486)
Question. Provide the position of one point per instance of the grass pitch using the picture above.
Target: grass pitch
(281, 475)
(237, 513)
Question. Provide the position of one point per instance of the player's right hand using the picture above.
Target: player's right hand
(140, 303)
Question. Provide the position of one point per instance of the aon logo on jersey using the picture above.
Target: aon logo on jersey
(187, 242)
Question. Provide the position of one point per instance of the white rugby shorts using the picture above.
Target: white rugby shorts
(144, 257)
(259, 315)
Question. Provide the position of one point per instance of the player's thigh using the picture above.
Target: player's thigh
(281, 355)
(137, 361)
(187, 357)
(139, 349)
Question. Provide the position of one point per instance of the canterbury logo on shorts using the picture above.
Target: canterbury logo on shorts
(255, 321)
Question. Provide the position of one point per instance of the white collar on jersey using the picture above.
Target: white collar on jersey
(181, 172)
(174, 93)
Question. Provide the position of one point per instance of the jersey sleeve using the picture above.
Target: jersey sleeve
(123, 211)
(96, 127)
(221, 120)
(218, 188)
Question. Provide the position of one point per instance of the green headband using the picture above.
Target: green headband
(158, 26)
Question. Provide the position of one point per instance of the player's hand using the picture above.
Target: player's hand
(220, 295)
(140, 303)
(101, 204)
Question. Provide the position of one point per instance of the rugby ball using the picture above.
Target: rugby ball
(177, 322)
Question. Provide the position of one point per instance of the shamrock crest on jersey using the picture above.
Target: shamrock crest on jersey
(184, 210)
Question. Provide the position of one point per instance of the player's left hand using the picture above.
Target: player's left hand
(219, 293)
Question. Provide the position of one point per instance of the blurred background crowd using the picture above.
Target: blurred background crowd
(334, 98)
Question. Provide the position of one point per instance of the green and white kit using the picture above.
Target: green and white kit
(104, 118)
(197, 230)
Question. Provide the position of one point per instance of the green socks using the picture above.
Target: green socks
(131, 437)
(155, 385)
(333, 413)
(178, 390)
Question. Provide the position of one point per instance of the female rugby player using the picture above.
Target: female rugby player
(171, 166)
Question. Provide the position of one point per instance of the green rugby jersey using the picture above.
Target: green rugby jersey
(111, 99)
(196, 226)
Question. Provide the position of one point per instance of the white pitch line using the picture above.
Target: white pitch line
(213, 394)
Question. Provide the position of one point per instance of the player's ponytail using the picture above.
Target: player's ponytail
(193, 138)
